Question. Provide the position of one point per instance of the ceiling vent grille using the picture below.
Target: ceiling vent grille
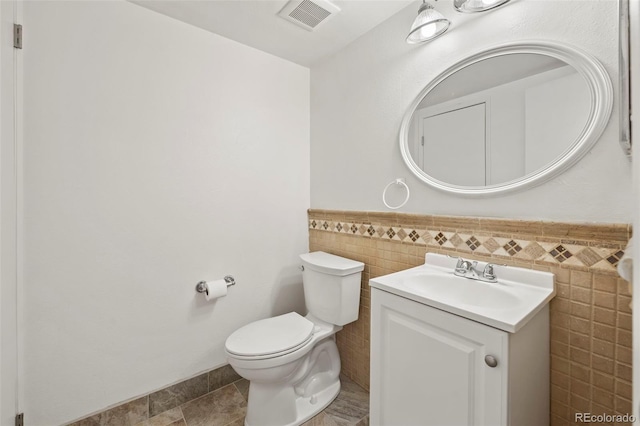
(308, 14)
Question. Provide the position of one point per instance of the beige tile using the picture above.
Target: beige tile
(559, 416)
(511, 226)
(580, 325)
(580, 341)
(562, 275)
(605, 300)
(604, 316)
(624, 338)
(605, 283)
(163, 419)
(604, 332)
(559, 335)
(560, 380)
(560, 421)
(623, 371)
(580, 294)
(559, 304)
(560, 319)
(614, 232)
(559, 394)
(624, 354)
(624, 389)
(559, 349)
(579, 403)
(559, 364)
(217, 408)
(580, 372)
(243, 387)
(603, 348)
(602, 364)
(603, 381)
(363, 422)
(321, 419)
(581, 388)
(624, 304)
(178, 394)
(563, 290)
(581, 279)
(351, 404)
(603, 398)
(126, 414)
(624, 321)
(623, 405)
(581, 310)
(221, 377)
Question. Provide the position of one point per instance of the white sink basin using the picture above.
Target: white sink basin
(508, 304)
(448, 287)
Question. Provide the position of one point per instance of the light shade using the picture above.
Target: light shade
(428, 25)
(472, 6)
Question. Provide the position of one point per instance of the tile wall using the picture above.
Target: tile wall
(590, 316)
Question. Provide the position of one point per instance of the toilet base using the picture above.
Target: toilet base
(308, 390)
(306, 410)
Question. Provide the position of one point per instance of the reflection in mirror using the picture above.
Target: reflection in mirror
(499, 119)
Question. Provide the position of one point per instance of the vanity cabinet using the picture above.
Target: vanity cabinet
(433, 368)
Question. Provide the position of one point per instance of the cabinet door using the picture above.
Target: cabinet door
(428, 367)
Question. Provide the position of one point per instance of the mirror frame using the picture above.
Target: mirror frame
(601, 91)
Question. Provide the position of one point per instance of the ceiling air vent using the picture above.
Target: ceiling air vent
(308, 14)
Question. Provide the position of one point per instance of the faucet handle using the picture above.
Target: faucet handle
(488, 272)
(463, 266)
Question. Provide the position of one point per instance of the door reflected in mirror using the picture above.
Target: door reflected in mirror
(499, 119)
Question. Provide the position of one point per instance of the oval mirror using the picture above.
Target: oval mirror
(506, 118)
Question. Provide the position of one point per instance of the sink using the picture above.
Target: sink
(507, 304)
(447, 286)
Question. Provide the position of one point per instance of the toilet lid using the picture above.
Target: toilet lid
(270, 336)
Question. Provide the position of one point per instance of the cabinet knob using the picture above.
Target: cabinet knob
(491, 361)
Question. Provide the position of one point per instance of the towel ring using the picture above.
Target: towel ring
(398, 181)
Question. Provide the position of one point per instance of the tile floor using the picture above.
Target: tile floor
(227, 406)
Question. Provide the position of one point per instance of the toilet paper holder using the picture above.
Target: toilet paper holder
(201, 287)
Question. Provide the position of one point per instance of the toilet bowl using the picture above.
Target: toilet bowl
(292, 362)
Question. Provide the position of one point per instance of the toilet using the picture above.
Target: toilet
(292, 362)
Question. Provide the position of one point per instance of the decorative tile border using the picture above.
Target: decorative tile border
(598, 247)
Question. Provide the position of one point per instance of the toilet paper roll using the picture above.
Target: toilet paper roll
(215, 289)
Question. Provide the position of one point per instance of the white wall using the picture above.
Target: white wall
(156, 155)
(360, 94)
(8, 220)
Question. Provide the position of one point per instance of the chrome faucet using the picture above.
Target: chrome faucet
(467, 269)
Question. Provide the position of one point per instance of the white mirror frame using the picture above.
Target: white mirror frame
(601, 91)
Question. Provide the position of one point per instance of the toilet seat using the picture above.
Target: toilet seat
(270, 338)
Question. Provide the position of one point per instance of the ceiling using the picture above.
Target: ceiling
(256, 23)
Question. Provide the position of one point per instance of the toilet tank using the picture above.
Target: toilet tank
(331, 286)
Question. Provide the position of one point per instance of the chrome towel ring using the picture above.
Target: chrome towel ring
(399, 181)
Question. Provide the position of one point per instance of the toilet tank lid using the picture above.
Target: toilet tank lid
(330, 263)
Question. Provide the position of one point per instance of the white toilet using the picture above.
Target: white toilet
(292, 362)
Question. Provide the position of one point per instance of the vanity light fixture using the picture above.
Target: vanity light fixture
(472, 6)
(428, 25)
